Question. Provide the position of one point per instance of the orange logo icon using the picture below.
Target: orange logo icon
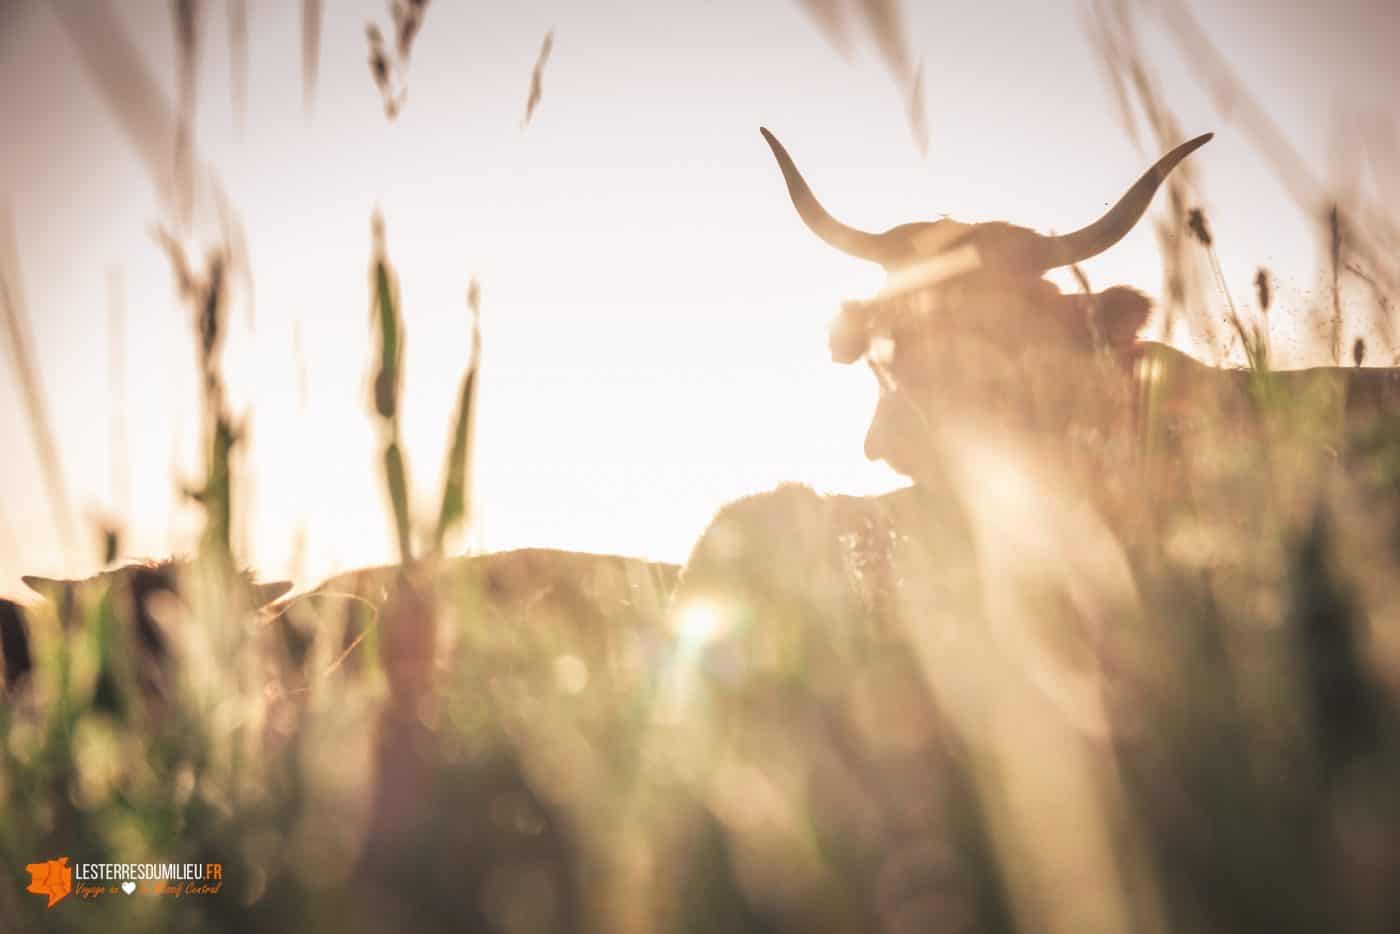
(52, 878)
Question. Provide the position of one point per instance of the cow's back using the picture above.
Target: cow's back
(557, 598)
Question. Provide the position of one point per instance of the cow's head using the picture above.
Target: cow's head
(145, 599)
(967, 325)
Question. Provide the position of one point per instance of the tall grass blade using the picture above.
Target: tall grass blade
(187, 17)
(1334, 256)
(537, 79)
(1370, 229)
(116, 371)
(206, 294)
(310, 51)
(15, 313)
(386, 322)
(397, 478)
(830, 20)
(885, 20)
(455, 507)
(135, 99)
(238, 60)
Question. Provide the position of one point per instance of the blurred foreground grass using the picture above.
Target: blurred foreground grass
(548, 741)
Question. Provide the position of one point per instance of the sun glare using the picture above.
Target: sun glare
(699, 623)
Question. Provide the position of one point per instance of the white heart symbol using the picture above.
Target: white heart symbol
(128, 887)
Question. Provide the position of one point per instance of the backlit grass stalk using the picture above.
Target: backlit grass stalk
(238, 60)
(310, 51)
(390, 68)
(187, 21)
(216, 605)
(537, 79)
(12, 309)
(1334, 256)
(1256, 343)
(456, 491)
(207, 297)
(386, 323)
(116, 373)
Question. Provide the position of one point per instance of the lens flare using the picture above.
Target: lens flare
(699, 623)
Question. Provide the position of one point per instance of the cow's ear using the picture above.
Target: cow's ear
(50, 588)
(1121, 314)
(263, 594)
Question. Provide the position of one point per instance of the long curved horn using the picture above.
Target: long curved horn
(858, 243)
(1103, 233)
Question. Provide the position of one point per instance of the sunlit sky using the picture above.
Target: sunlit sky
(653, 311)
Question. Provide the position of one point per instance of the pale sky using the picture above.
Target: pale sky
(653, 311)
